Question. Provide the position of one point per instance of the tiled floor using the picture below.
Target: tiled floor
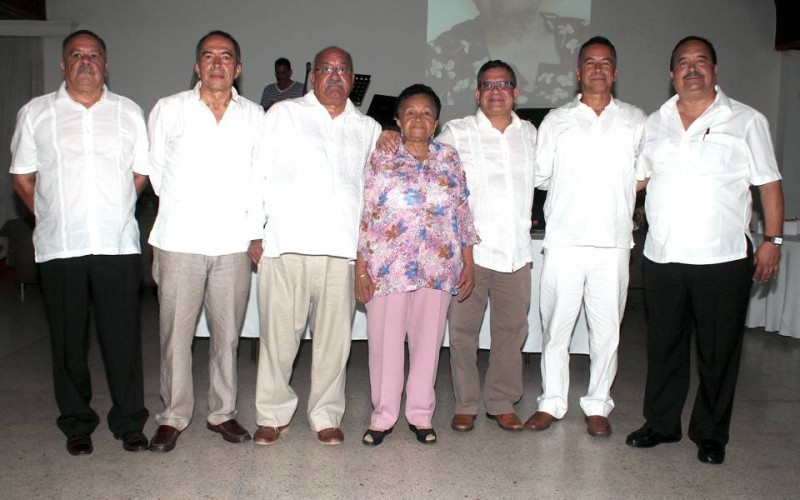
(763, 459)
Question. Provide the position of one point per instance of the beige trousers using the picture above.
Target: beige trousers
(295, 290)
(186, 283)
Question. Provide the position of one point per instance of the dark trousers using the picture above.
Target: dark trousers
(713, 299)
(111, 284)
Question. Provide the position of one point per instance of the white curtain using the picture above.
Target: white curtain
(21, 78)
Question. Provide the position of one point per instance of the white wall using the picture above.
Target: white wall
(645, 31)
(151, 45)
(151, 42)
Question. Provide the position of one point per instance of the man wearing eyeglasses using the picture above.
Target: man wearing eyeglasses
(585, 155)
(306, 204)
(496, 149)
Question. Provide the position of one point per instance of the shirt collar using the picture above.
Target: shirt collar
(721, 102)
(434, 147)
(311, 98)
(62, 93)
(576, 104)
(234, 93)
(484, 122)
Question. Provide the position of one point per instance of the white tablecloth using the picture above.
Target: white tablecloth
(775, 305)
(580, 338)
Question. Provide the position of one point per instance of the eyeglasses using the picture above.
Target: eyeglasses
(500, 85)
(329, 70)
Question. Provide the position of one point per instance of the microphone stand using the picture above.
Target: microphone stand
(305, 82)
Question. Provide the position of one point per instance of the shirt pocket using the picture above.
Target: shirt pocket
(715, 150)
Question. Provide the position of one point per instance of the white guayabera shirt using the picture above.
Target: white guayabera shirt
(84, 159)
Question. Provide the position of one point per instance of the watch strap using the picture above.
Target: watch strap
(775, 240)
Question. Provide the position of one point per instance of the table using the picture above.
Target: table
(775, 305)
(580, 337)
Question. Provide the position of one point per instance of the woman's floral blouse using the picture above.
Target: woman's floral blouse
(416, 220)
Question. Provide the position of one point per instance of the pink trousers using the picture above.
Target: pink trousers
(422, 314)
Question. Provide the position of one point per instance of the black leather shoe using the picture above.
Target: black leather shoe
(134, 441)
(710, 452)
(80, 445)
(647, 438)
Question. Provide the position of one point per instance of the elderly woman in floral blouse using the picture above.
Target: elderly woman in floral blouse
(414, 254)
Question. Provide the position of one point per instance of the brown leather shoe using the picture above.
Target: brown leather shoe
(463, 422)
(165, 439)
(539, 421)
(331, 436)
(598, 426)
(507, 421)
(268, 435)
(231, 431)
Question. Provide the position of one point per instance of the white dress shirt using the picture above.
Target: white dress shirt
(698, 198)
(201, 170)
(587, 164)
(308, 191)
(499, 170)
(84, 159)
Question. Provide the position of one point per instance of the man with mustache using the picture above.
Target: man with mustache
(702, 152)
(585, 157)
(306, 202)
(201, 144)
(79, 161)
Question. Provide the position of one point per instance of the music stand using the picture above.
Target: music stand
(382, 110)
(359, 90)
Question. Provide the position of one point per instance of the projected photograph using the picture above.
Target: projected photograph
(540, 39)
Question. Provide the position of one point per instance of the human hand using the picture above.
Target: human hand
(255, 250)
(466, 282)
(767, 261)
(364, 288)
(388, 141)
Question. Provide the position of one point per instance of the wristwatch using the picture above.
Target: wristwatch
(775, 240)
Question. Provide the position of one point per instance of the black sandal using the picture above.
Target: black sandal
(376, 437)
(423, 434)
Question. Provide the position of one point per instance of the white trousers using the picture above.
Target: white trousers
(598, 278)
